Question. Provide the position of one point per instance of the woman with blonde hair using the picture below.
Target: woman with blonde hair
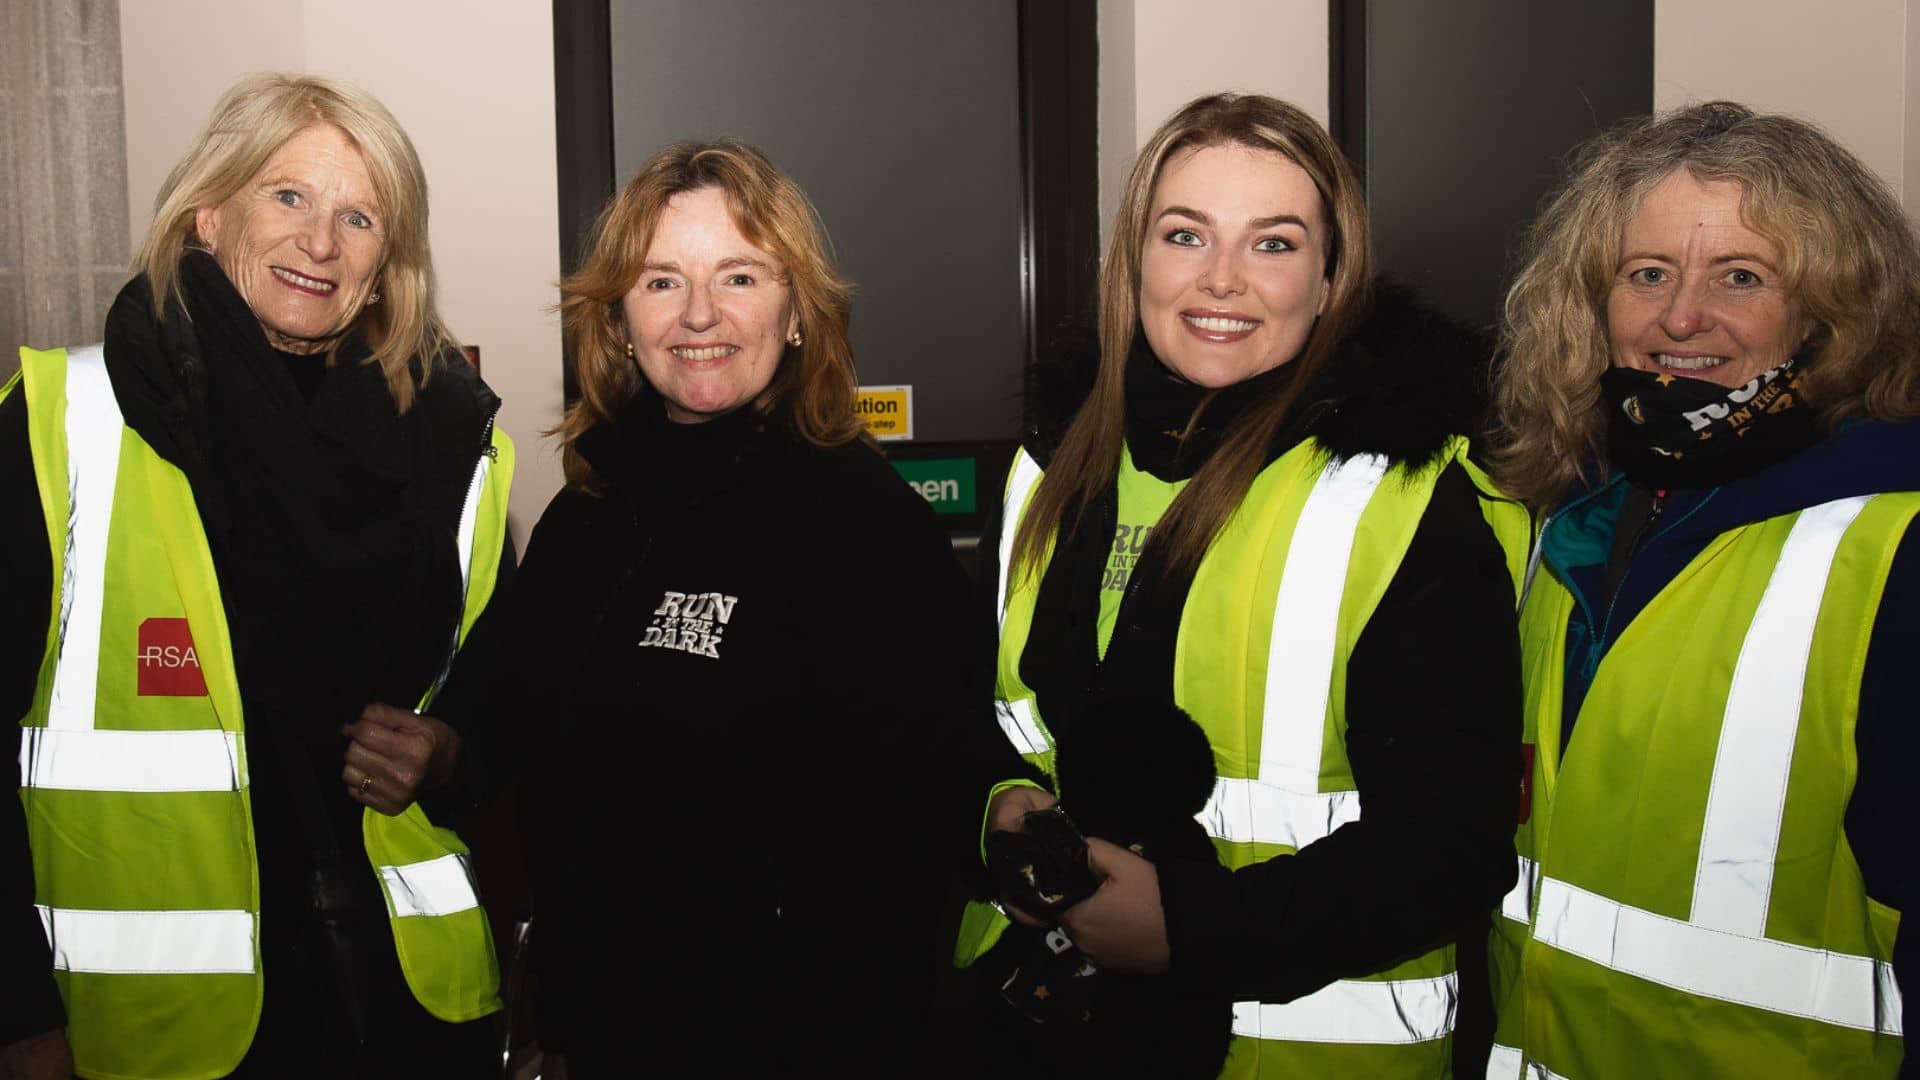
(753, 653)
(1264, 514)
(258, 526)
(1710, 363)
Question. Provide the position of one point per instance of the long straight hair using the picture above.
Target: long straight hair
(1089, 454)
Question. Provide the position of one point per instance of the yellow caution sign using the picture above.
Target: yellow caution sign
(886, 410)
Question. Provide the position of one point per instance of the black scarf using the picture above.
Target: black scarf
(1669, 431)
(1164, 434)
(335, 557)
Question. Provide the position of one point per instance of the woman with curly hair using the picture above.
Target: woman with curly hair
(1710, 358)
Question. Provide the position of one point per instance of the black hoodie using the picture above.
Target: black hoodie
(761, 730)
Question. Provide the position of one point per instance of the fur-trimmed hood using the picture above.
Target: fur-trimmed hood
(1404, 382)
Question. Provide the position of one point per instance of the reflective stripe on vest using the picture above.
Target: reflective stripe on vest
(1350, 1011)
(1507, 1063)
(1851, 991)
(1518, 903)
(1721, 952)
(150, 942)
(1017, 718)
(94, 429)
(463, 541)
(1284, 805)
(113, 760)
(442, 886)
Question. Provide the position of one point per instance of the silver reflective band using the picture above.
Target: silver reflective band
(463, 540)
(1306, 619)
(149, 942)
(439, 886)
(1518, 903)
(1252, 811)
(469, 516)
(1851, 991)
(1285, 805)
(93, 430)
(1026, 474)
(204, 759)
(1506, 1063)
(1351, 1011)
(1747, 797)
(1022, 728)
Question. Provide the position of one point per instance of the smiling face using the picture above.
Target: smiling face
(302, 241)
(1697, 292)
(1233, 271)
(711, 313)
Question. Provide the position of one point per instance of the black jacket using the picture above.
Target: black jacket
(1433, 702)
(751, 662)
(158, 377)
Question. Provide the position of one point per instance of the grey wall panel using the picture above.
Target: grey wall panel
(1471, 107)
(900, 118)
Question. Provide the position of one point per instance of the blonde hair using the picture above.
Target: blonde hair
(1089, 453)
(1848, 258)
(814, 384)
(253, 119)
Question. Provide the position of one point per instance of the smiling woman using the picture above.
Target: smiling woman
(302, 244)
(276, 484)
(731, 556)
(1326, 587)
(1710, 369)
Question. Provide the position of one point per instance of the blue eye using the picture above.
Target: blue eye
(359, 220)
(287, 198)
(1273, 245)
(1184, 238)
(1745, 279)
(1647, 275)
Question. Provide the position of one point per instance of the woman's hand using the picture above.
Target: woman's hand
(394, 755)
(1121, 927)
(1008, 813)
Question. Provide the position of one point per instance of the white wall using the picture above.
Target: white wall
(1156, 55)
(1844, 65)
(474, 90)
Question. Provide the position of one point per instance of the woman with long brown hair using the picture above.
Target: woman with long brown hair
(1264, 514)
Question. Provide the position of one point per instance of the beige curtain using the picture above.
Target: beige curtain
(63, 172)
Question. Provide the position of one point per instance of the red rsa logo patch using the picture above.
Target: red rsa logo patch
(168, 664)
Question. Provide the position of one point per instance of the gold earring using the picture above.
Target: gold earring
(629, 350)
(795, 339)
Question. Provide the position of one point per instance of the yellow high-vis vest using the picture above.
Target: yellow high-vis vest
(1688, 905)
(1275, 609)
(133, 760)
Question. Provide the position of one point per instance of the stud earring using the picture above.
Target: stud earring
(629, 350)
(795, 339)
(372, 299)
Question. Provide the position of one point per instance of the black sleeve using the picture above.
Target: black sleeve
(1433, 734)
(937, 658)
(485, 767)
(572, 562)
(29, 1001)
(1883, 815)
